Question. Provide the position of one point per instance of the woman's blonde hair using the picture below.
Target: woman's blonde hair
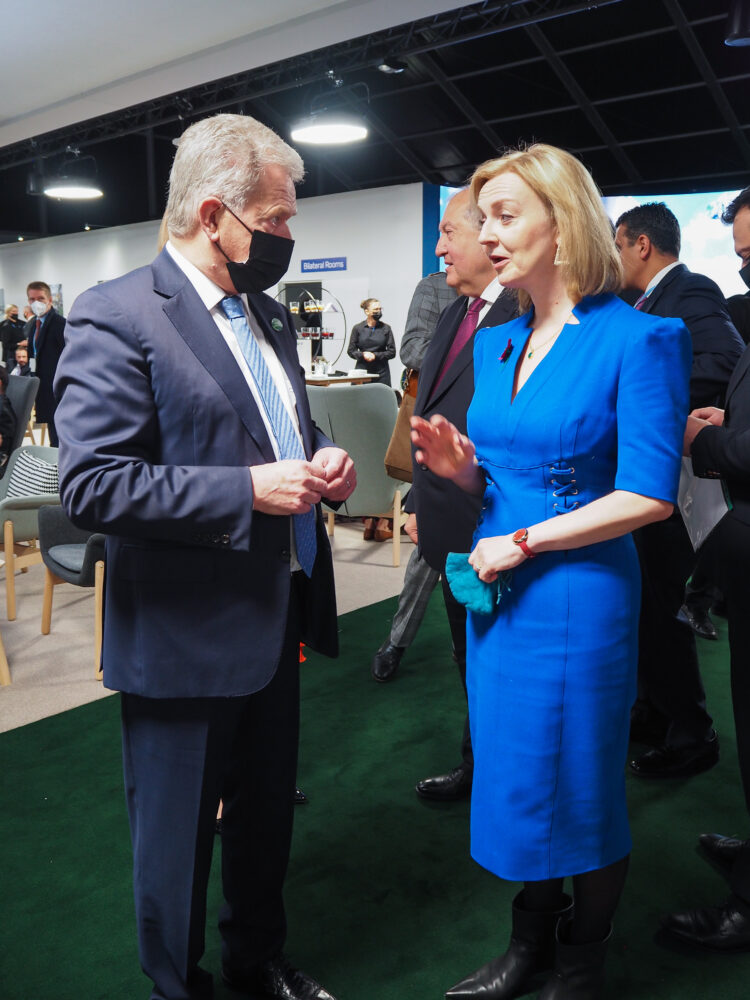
(587, 253)
(366, 303)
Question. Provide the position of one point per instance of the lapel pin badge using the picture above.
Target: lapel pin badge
(277, 324)
(507, 352)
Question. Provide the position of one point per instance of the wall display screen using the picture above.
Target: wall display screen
(707, 245)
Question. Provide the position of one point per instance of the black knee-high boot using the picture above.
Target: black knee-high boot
(531, 951)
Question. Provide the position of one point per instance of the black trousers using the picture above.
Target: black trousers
(725, 558)
(457, 622)
(181, 756)
(669, 679)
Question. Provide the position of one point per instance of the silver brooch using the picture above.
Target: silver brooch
(277, 324)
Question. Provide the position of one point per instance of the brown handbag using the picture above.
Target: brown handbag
(398, 453)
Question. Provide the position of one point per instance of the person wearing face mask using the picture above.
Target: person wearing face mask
(11, 332)
(737, 215)
(45, 336)
(186, 437)
(718, 442)
(371, 343)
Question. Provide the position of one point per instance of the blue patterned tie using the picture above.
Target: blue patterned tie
(288, 440)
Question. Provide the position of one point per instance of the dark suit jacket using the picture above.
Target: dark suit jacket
(157, 429)
(446, 514)
(739, 310)
(725, 451)
(717, 346)
(47, 353)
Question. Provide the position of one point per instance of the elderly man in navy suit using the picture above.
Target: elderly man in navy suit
(671, 707)
(44, 338)
(186, 436)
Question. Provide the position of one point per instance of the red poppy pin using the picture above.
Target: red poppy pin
(507, 352)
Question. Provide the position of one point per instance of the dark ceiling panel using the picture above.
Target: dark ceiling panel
(645, 91)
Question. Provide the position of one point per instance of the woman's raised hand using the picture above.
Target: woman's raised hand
(442, 448)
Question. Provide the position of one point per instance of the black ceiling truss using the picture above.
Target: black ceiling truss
(459, 26)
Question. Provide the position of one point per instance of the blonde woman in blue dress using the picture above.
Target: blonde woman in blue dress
(575, 435)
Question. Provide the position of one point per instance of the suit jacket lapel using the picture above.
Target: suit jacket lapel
(190, 318)
(42, 333)
(499, 312)
(739, 373)
(650, 304)
(438, 348)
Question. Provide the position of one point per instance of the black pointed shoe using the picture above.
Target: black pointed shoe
(719, 851)
(450, 787)
(530, 952)
(678, 762)
(385, 662)
(276, 980)
(722, 928)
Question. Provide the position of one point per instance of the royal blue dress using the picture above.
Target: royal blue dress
(551, 675)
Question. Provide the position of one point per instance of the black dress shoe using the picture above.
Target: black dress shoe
(718, 928)
(677, 762)
(385, 661)
(300, 799)
(699, 621)
(719, 851)
(456, 784)
(276, 979)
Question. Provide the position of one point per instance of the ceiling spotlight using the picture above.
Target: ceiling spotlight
(738, 23)
(20, 239)
(331, 128)
(391, 66)
(76, 179)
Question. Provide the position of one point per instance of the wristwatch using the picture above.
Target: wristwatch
(520, 538)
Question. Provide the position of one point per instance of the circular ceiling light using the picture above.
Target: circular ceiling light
(72, 188)
(329, 130)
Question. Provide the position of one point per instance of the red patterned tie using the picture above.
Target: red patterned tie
(464, 334)
(36, 333)
(640, 302)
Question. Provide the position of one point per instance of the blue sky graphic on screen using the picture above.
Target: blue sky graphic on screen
(707, 245)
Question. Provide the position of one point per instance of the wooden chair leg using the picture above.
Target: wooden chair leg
(49, 586)
(10, 570)
(397, 528)
(4, 668)
(331, 523)
(30, 431)
(98, 617)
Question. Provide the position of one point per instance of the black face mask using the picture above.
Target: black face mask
(377, 314)
(266, 264)
(745, 273)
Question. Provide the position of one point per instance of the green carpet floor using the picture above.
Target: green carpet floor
(384, 902)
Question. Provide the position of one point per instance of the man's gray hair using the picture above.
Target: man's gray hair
(223, 157)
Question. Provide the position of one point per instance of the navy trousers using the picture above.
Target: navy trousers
(181, 756)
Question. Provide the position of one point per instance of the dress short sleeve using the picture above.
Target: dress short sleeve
(652, 406)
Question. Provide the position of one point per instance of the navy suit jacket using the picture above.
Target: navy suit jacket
(47, 353)
(725, 451)
(446, 514)
(717, 346)
(157, 429)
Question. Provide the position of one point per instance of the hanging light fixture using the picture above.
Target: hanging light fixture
(738, 23)
(76, 179)
(329, 128)
(328, 125)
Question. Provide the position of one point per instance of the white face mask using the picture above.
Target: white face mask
(39, 308)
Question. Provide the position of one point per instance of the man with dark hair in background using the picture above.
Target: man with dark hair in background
(737, 215)
(45, 335)
(671, 708)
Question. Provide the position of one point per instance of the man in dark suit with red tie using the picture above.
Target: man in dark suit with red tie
(671, 707)
(442, 517)
(45, 337)
(186, 437)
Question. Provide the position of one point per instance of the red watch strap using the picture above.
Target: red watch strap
(526, 550)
